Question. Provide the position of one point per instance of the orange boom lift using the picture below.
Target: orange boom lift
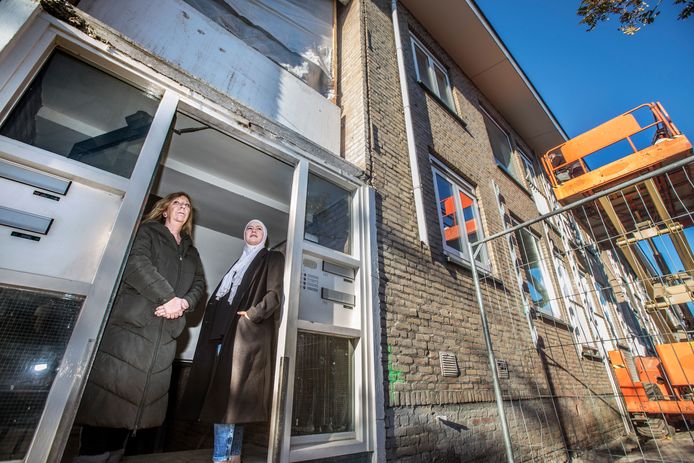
(658, 390)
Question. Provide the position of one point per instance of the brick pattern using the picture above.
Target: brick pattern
(428, 304)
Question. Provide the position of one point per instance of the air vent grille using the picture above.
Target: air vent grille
(449, 364)
(502, 369)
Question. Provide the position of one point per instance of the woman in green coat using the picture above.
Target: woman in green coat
(129, 381)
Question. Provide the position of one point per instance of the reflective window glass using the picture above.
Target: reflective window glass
(328, 215)
(323, 385)
(459, 219)
(84, 114)
(501, 146)
(423, 67)
(447, 213)
(442, 86)
(432, 74)
(531, 262)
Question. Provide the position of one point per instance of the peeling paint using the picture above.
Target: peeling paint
(64, 11)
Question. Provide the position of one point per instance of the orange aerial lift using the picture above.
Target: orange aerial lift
(658, 390)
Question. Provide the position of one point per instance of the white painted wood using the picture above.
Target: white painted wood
(287, 333)
(52, 163)
(75, 243)
(14, 16)
(61, 404)
(30, 280)
(331, 330)
(179, 34)
(237, 189)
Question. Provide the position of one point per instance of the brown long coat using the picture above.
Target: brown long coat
(236, 385)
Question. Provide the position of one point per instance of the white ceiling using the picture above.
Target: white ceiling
(228, 181)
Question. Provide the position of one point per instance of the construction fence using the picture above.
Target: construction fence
(602, 289)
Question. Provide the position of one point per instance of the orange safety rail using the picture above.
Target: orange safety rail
(635, 397)
(678, 362)
(570, 176)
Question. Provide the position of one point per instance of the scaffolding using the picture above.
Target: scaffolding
(606, 286)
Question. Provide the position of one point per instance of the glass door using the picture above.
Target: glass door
(78, 149)
(324, 372)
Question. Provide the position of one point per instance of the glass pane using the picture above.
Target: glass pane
(323, 385)
(468, 205)
(34, 331)
(501, 146)
(530, 256)
(79, 112)
(472, 226)
(328, 214)
(442, 87)
(422, 61)
(447, 213)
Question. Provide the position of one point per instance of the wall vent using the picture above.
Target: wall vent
(502, 369)
(449, 364)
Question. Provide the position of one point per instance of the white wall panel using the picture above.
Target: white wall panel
(180, 35)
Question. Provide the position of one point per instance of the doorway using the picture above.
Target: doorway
(229, 183)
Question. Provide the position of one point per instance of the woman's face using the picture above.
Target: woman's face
(254, 234)
(178, 211)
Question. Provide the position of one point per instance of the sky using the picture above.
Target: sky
(587, 78)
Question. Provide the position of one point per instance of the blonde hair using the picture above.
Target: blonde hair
(157, 212)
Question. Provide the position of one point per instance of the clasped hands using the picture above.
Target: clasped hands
(172, 309)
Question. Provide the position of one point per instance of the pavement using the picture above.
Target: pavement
(679, 448)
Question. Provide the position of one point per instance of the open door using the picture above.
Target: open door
(78, 149)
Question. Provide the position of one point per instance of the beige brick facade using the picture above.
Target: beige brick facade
(427, 302)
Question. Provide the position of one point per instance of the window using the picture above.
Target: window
(328, 215)
(432, 74)
(536, 278)
(529, 168)
(501, 145)
(84, 114)
(458, 215)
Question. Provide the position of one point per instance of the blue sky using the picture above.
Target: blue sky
(589, 77)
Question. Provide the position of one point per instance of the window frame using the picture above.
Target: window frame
(432, 64)
(513, 163)
(547, 280)
(459, 186)
(528, 168)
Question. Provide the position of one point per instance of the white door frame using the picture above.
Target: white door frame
(30, 49)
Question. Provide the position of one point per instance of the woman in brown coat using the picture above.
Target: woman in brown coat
(231, 377)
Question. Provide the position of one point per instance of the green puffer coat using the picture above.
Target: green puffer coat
(129, 382)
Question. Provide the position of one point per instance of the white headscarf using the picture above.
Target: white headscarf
(231, 281)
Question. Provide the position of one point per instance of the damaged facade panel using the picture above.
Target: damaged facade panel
(181, 35)
(296, 34)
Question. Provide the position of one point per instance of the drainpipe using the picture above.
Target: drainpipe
(409, 132)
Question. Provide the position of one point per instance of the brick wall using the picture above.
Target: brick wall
(428, 304)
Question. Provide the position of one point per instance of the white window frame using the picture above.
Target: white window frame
(460, 186)
(37, 41)
(529, 168)
(512, 168)
(546, 276)
(432, 63)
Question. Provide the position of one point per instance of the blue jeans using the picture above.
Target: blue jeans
(228, 439)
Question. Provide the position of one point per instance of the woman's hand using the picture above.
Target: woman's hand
(243, 313)
(172, 309)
